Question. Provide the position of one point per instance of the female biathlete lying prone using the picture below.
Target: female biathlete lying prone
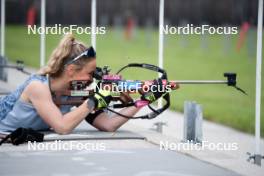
(31, 104)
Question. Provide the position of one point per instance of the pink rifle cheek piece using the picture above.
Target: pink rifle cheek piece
(112, 77)
(141, 103)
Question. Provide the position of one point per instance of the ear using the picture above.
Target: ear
(70, 70)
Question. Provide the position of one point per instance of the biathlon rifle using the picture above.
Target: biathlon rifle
(79, 89)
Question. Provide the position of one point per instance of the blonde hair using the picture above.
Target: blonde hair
(67, 49)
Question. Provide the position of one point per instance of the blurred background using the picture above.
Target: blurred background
(132, 36)
(111, 12)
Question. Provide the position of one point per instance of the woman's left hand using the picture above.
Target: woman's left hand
(125, 98)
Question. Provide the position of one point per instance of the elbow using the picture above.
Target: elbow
(108, 129)
(62, 130)
(111, 130)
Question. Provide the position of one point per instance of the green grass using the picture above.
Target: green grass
(185, 58)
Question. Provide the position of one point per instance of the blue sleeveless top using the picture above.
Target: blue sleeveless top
(15, 113)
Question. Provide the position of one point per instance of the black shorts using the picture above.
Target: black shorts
(92, 116)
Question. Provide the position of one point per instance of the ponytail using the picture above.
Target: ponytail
(67, 48)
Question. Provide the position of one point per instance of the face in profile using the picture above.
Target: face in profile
(86, 73)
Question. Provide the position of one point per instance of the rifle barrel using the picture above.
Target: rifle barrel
(199, 81)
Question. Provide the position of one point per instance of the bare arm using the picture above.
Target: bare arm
(104, 123)
(40, 96)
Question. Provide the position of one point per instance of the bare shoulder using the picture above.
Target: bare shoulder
(37, 88)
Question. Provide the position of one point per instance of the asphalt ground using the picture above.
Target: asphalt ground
(119, 157)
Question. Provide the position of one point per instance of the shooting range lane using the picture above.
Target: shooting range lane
(121, 157)
(132, 155)
(146, 160)
(124, 153)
